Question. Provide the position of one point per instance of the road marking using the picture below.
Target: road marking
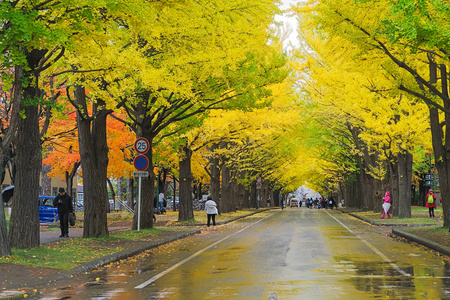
(374, 249)
(157, 276)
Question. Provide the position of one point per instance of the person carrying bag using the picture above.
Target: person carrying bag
(431, 202)
(64, 204)
(211, 211)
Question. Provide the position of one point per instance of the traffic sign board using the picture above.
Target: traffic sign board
(140, 173)
(258, 183)
(140, 162)
(141, 145)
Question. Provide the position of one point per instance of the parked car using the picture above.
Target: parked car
(47, 213)
(80, 206)
(170, 202)
(294, 203)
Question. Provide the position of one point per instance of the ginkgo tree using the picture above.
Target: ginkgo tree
(9, 111)
(384, 116)
(240, 142)
(249, 87)
(160, 63)
(33, 37)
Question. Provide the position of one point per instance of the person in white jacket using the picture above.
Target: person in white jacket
(211, 211)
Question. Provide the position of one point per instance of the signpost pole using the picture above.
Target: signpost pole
(141, 146)
(139, 204)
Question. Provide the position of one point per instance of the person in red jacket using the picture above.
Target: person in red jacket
(386, 205)
(431, 202)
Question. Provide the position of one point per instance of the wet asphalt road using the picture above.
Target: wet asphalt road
(296, 253)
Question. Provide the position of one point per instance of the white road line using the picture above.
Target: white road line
(157, 276)
(374, 249)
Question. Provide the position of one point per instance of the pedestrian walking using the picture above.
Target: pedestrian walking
(282, 203)
(64, 204)
(431, 202)
(211, 211)
(161, 202)
(386, 205)
(332, 203)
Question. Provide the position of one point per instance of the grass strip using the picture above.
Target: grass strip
(376, 217)
(438, 234)
(71, 253)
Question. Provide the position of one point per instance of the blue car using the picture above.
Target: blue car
(47, 213)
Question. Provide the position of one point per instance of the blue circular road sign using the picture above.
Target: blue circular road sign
(141, 162)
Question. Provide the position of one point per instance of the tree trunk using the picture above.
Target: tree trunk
(199, 192)
(253, 195)
(360, 199)
(5, 249)
(404, 175)
(94, 162)
(393, 187)
(174, 193)
(6, 153)
(69, 182)
(265, 193)
(234, 195)
(225, 203)
(186, 210)
(241, 192)
(442, 161)
(46, 182)
(423, 190)
(215, 177)
(245, 204)
(120, 188)
(350, 194)
(130, 192)
(378, 197)
(276, 197)
(24, 223)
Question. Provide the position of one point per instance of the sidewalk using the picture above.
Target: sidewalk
(15, 277)
(53, 235)
(443, 249)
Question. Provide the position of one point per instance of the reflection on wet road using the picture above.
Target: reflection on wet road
(296, 253)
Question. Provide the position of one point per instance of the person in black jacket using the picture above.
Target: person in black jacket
(64, 204)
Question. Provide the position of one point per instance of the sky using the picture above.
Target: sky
(289, 24)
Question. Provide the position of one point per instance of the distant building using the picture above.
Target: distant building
(56, 183)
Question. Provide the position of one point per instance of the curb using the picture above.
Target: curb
(97, 263)
(388, 224)
(425, 242)
(92, 265)
(100, 262)
(227, 221)
(411, 237)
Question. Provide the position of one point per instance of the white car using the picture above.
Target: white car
(294, 203)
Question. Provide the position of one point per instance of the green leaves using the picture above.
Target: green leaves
(419, 23)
